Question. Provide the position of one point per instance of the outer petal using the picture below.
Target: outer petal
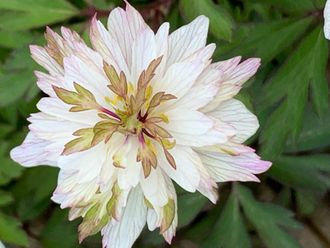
(87, 163)
(56, 108)
(188, 39)
(170, 233)
(156, 215)
(162, 49)
(51, 128)
(327, 20)
(107, 47)
(124, 26)
(179, 78)
(71, 193)
(45, 82)
(33, 152)
(154, 188)
(237, 115)
(123, 234)
(40, 55)
(240, 164)
(143, 52)
(192, 128)
(89, 75)
(235, 73)
(207, 185)
(186, 173)
(129, 176)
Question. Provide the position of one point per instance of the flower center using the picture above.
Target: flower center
(134, 115)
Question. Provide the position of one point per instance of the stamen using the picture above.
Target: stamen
(107, 111)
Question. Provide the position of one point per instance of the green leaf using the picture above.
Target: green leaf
(189, 206)
(221, 24)
(267, 219)
(289, 6)
(18, 76)
(8, 168)
(268, 39)
(230, 230)
(306, 172)
(319, 82)
(11, 232)
(59, 232)
(30, 197)
(306, 201)
(294, 77)
(29, 13)
(5, 198)
(14, 39)
(315, 133)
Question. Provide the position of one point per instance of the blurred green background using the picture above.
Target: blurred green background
(288, 209)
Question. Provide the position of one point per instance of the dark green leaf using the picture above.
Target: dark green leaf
(267, 218)
(229, 231)
(294, 77)
(315, 133)
(29, 13)
(11, 232)
(189, 205)
(221, 24)
(303, 171)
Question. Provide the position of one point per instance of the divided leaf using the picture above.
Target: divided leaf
(267, 219)
(230, 230)
(294, 76)
(221, 23)
(34, 13)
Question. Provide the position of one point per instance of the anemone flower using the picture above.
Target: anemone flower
(132, 114)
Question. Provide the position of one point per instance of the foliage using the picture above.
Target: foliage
(290, 95)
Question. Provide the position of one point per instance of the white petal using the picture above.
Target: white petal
(88, 163)
(124, 26)
(179, 78)
(107, 47)
(197, 97)
(123, 234)
(186, 173)
(204, 54)
(225, 91)
(89, 75)
(33, 152)
(204, 90)
(327, 20)
(154, 188)
(57, 108)
(40, 55)
(130, 175)
(239, 165)
(187, 40)
(45, 83)
(170, 232)
(52, 128)
(156, 214)
(237, 115)
(70, 192)
(207, 185)
(1, 245)
(143, 52)
(192, 128)
(235, 73)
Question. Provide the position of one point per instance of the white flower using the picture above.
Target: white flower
(137, 111)
(327, 20)
(1, 245)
